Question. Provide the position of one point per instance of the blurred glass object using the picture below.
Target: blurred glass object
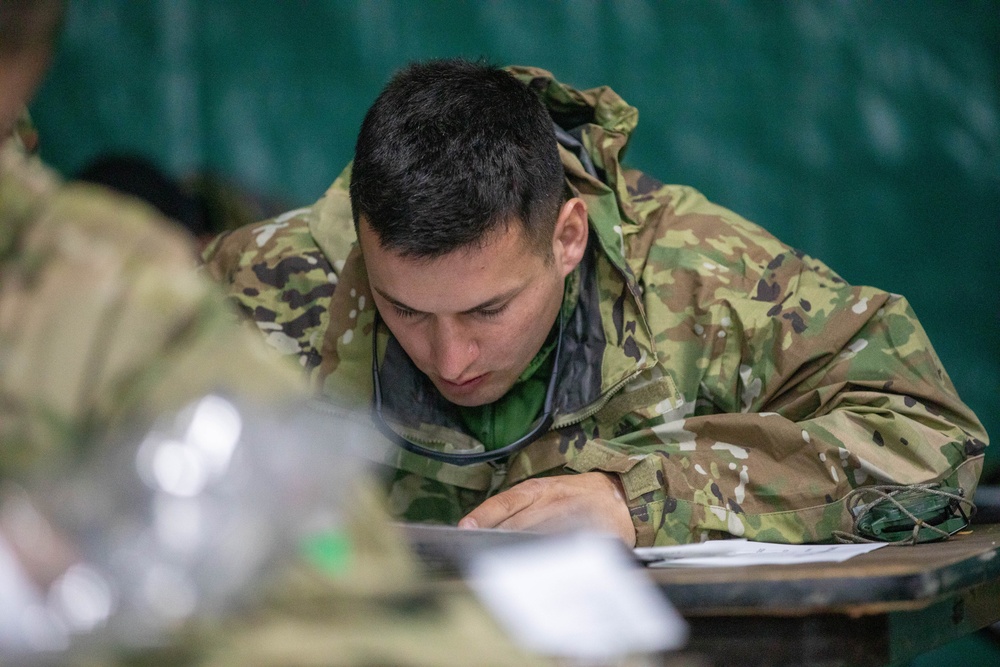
(183, 520)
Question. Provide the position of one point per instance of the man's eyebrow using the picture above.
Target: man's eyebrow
(485, 305)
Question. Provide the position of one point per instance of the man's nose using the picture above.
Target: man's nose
(454, 350)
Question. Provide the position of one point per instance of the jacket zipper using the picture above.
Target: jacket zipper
(567, 420)
(596, 406)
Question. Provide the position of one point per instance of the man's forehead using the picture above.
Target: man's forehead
(465, 280)
(511, 233)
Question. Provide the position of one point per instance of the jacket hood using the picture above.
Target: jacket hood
(593, 128)
(571, 108)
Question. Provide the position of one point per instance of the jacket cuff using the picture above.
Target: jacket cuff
(642, 480)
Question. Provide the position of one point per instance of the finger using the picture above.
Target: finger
(552, 517)
(494, 511)
(601, 509)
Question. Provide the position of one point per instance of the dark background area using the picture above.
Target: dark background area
(864, 133)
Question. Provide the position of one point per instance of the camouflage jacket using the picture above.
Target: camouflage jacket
(736, 385)
(104, 321)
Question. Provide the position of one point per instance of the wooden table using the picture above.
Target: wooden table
(880, 608)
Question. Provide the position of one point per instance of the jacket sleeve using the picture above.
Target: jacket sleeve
(281, 273)
(280, 280)
(794, 388)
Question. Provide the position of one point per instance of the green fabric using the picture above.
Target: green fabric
(500, 423)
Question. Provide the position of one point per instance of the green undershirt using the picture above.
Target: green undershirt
(510, 417)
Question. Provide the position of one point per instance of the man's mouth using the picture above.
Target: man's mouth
(464, 386)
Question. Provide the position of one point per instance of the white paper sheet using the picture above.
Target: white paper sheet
(739, 553)
(578, 597)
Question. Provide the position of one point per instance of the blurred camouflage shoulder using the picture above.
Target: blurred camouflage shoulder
(104, 319)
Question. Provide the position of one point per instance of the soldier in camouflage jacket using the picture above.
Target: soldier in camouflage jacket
(729, 384)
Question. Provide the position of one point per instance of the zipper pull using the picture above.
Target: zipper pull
(499, 475)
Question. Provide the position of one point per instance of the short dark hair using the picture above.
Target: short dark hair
(450, 153)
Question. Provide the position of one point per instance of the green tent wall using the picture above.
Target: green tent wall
(864, 133)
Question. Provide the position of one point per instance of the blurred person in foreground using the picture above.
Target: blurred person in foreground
(102, 315)
(554, 339)
(104, 324)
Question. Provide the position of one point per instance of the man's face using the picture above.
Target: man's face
(471, 320)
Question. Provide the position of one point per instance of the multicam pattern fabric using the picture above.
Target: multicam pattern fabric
(104, 320)
(737, 386)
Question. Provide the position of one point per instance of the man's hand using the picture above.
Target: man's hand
(593, 500)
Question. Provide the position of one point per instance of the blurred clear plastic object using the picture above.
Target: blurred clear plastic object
(145, 533)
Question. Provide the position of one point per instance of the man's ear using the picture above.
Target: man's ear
(569, 240)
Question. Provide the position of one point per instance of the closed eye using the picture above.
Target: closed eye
(491, 312)
(403, 312)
